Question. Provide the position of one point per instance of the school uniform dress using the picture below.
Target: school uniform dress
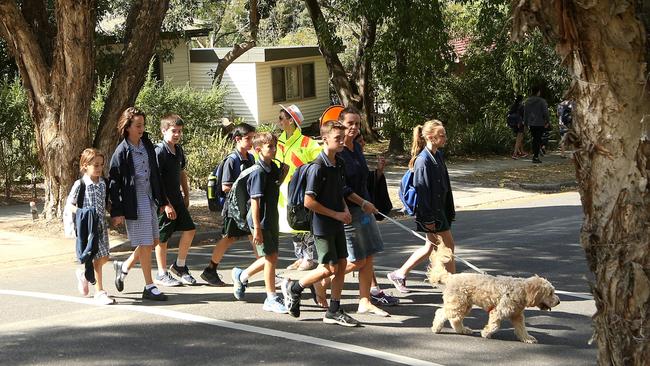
(144, 229)
(94, 197)
(435, 199)
(362, 234)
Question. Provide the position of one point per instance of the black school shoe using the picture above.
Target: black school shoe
(147, 294)
(212, 278)
(119, 275)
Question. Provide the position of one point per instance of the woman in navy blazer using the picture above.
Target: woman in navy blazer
(435, 208)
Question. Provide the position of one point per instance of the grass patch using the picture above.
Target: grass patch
(545, 173)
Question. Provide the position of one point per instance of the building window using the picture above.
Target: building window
(293, 82)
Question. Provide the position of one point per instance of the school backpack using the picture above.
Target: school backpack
(298, 216)
(69, 226)
(407, 193)
(567, 116)
(215, 194)
(238, 199)
(513, 119)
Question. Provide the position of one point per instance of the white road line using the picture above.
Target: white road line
(368, 352)
(579, 295)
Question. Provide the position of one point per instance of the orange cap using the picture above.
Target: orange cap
(331, 114)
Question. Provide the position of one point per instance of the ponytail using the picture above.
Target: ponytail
(417, 145)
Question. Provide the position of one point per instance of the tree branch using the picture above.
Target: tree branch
(142, 33)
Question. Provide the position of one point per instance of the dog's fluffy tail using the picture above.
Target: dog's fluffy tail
(437, 272)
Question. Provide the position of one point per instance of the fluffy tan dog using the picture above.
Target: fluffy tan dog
(502, 297)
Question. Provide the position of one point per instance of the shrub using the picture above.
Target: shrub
(17, 150)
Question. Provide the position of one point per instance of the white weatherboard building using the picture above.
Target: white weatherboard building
(259, 80)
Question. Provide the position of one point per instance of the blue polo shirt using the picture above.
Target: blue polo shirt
(325, 182)
(264, 184)
(356, 172)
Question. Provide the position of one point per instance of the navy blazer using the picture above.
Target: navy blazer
(431, 182)
(121, 184)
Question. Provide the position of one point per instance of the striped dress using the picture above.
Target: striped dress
(144, 230)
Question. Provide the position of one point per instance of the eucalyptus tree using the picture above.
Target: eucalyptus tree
(605, 46)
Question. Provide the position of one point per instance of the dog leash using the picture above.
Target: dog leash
(432, 243)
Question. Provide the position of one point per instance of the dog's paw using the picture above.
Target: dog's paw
(530, 339)
(436, 329)
(466, 331)
(486, 334)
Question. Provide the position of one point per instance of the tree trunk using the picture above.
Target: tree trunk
(59, 94)
(142, 32)
(354, 90)
(604, 46)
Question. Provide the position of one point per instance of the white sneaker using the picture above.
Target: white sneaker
(82, 282)
(102, 298)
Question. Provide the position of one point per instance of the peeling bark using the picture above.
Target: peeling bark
(604, 46)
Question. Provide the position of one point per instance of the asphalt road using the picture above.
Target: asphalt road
(43, 320)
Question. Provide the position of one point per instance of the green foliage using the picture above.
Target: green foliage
(17, 151)
(201, 110)
(472, 96)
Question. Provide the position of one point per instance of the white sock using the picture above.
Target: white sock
(375, 290)
(243, 277)
(161, 272)
(125, 268)
(180, 262)
(271, 295)
(153, 288)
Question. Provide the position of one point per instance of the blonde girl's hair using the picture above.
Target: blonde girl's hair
(87, 156)
(419, 142)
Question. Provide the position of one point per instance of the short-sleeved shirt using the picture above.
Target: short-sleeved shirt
(231, 169)
(171, 164)
(264, 184)
(325, 182)
(356, 172)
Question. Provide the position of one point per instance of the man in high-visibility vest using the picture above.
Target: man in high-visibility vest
(294, 149)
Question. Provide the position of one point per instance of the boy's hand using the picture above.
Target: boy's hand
(170, 212)
(258, 238)
(117, 220)
(344, 216)
(381, 164)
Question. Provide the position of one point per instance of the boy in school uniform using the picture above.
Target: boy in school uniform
(324, 197)
(236, 162)
(171, 163)
(263, 187)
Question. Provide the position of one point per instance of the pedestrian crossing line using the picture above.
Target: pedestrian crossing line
(364, 351)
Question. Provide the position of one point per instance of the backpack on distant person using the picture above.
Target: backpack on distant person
(513, 119)
(298, 216)
(238, 200)
(215, 194)
(567, 116)
(407, 193)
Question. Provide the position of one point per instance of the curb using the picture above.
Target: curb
(547, 187)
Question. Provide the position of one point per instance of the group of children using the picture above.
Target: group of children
(144, 189)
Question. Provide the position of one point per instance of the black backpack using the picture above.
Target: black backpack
(215, 194)
(567, 116)
(513, 119)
